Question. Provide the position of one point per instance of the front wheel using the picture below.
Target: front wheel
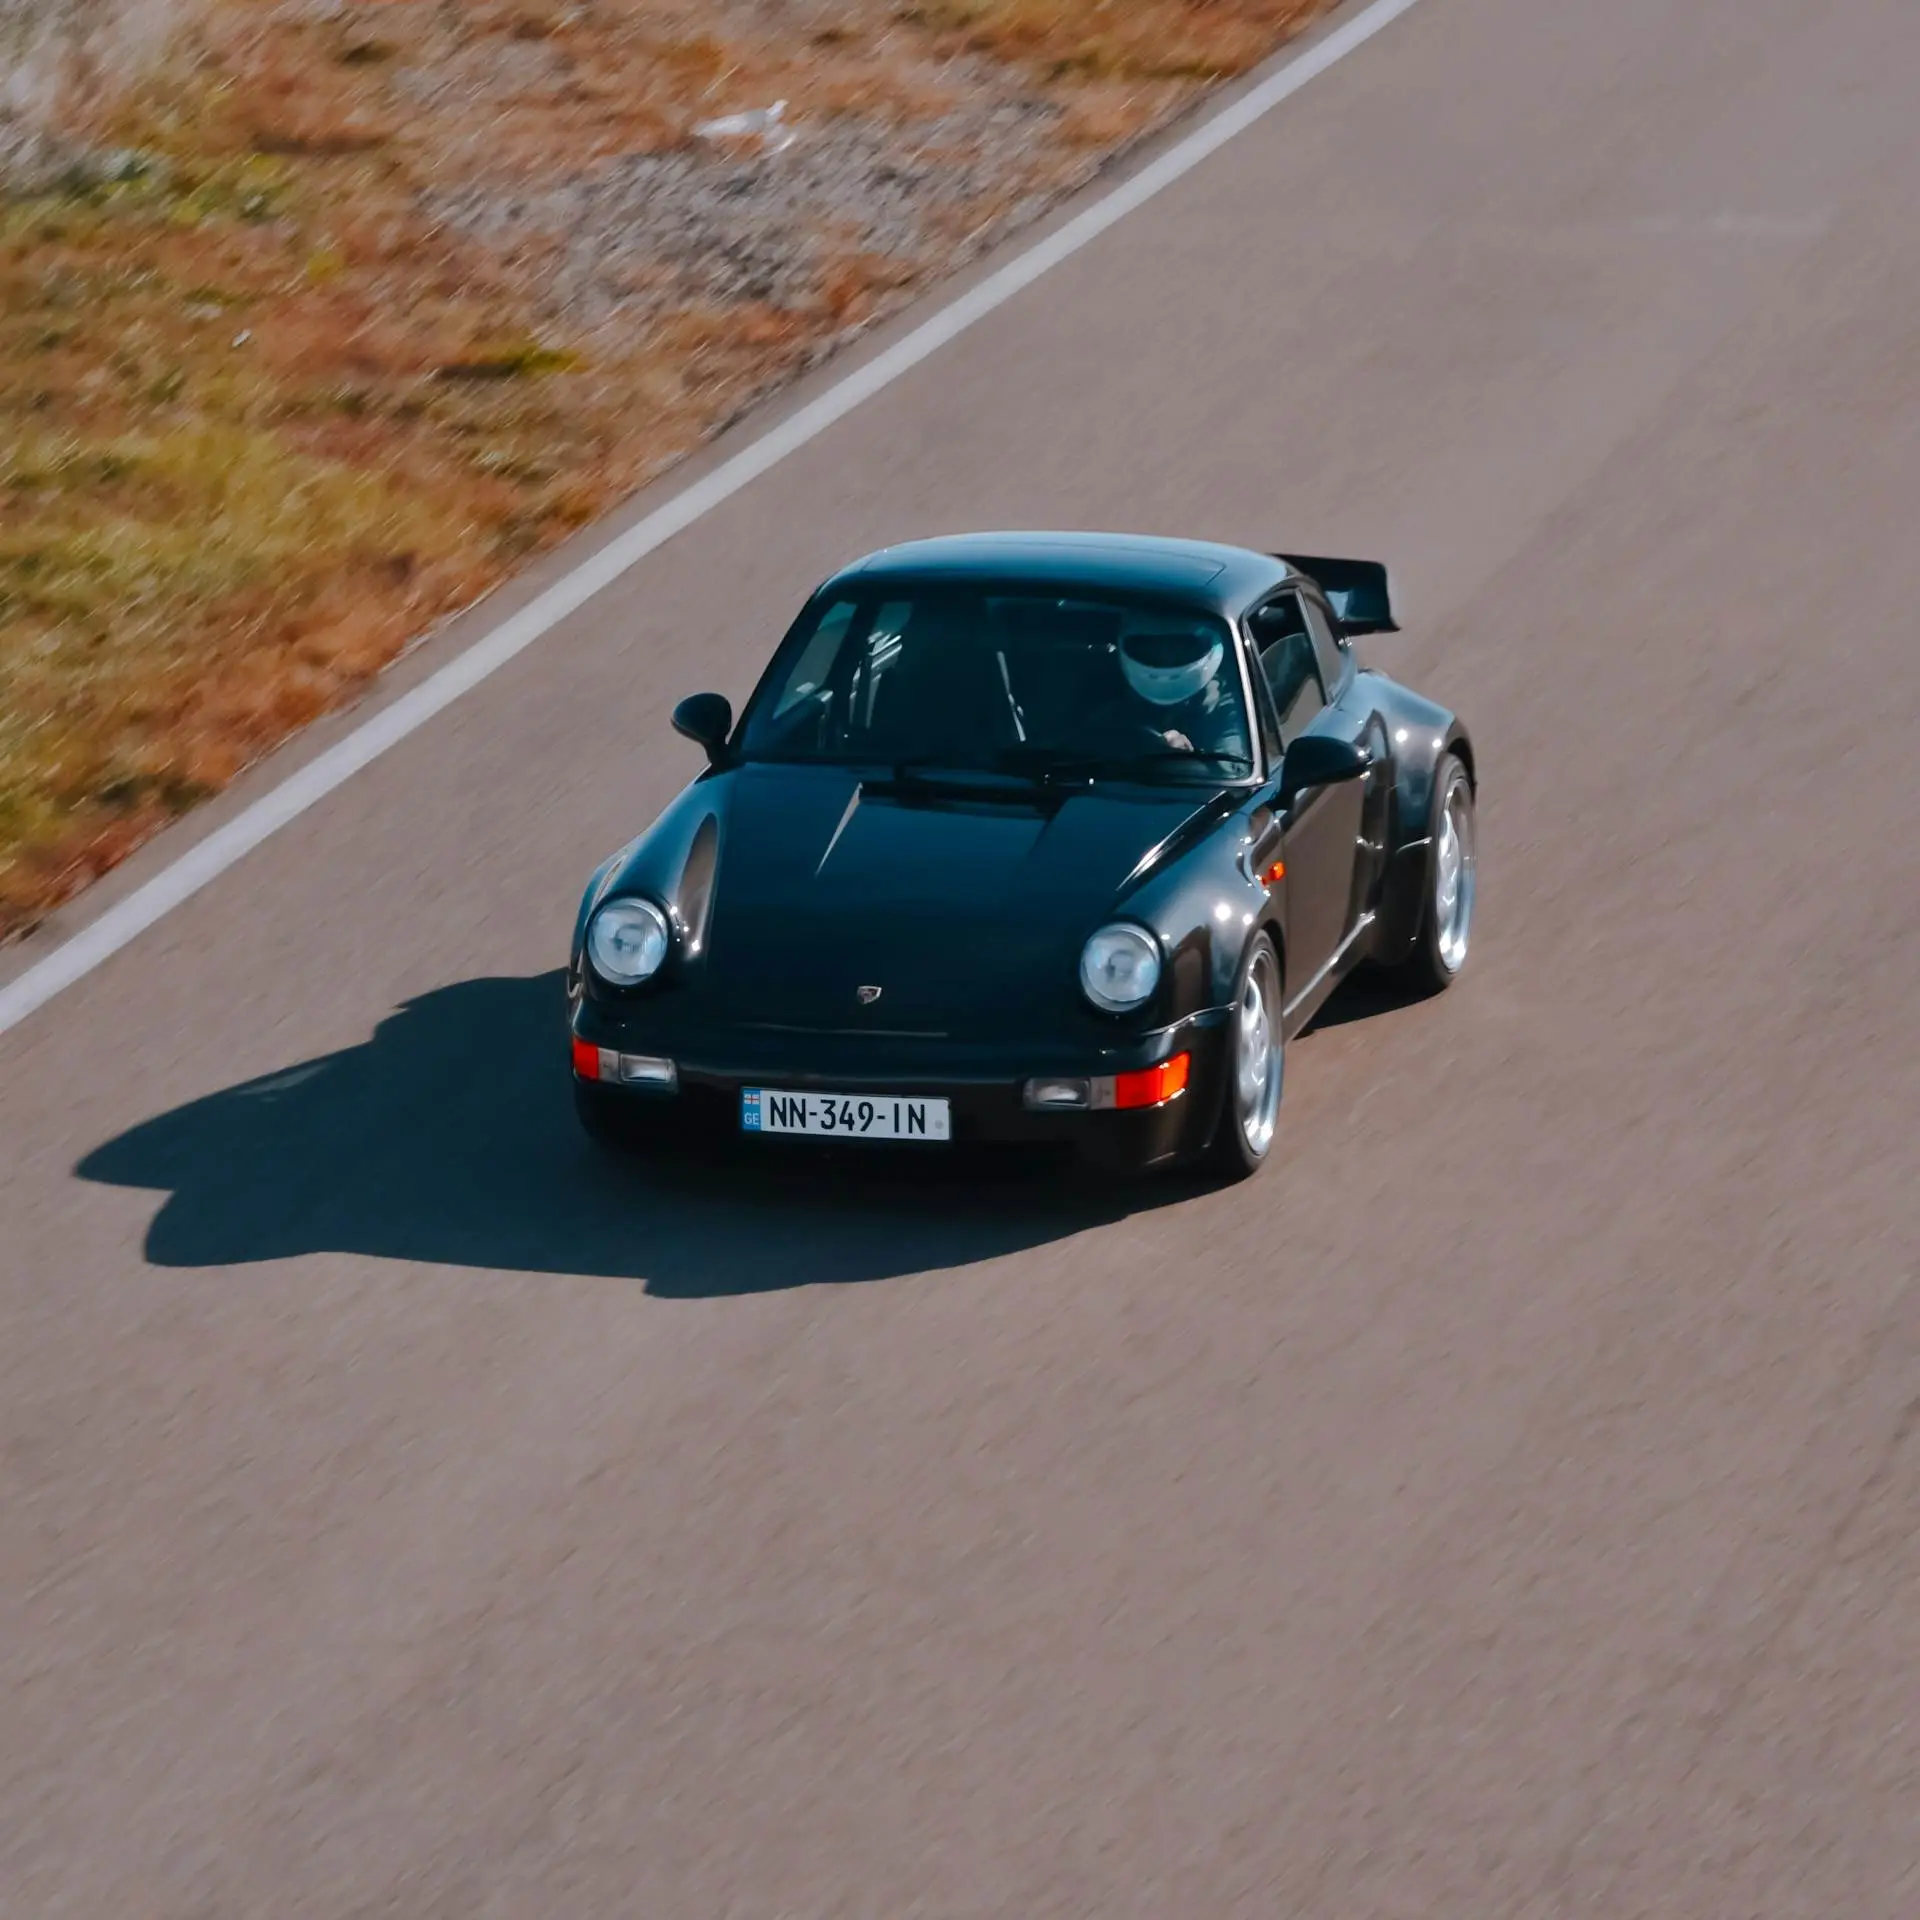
(1446, 919)
(1256, 1059)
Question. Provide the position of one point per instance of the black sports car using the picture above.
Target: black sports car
(1029, 838)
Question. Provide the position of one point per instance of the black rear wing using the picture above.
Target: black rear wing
(1357, 591)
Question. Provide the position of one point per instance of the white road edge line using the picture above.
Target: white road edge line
(221, 849)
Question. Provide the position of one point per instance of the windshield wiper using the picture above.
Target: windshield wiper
(1047, 763)
(939, 776)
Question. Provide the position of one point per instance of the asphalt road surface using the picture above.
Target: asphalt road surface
(1505, 1506)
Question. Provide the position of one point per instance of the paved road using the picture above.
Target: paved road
(1507, 1506)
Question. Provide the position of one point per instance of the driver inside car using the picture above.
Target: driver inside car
(1174, 673)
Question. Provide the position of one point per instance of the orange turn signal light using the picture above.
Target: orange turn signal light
(1278, 871)
(1152, 1086)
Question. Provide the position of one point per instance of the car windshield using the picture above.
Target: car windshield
(1028, 684)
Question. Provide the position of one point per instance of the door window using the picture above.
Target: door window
(1269, 720)
(1287, 663)
(1327, 652)
(815, 665)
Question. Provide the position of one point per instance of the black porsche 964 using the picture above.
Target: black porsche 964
(1029, 838)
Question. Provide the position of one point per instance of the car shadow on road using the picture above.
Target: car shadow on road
(449, 1138)
(1364, 995)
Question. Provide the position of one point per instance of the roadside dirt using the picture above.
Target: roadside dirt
(319, 328)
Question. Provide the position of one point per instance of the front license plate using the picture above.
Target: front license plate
(851, 1116)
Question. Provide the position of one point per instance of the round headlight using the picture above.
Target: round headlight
(1120, 967)
(627, 941)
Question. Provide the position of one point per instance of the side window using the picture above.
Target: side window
(1326, 649)
(1287, 663)
(1268, 719)
(815, 665)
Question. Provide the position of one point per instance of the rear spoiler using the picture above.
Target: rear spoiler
(1355, 589)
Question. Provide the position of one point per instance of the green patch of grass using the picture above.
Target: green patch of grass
(205, 509)
(121, 566)
(248, 190)
(519, 360)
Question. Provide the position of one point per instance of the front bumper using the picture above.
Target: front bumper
(983, 1083)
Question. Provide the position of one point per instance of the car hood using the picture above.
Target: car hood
(962, 911)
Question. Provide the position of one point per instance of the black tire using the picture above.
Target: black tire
(1441, 946)
(1243, 1135)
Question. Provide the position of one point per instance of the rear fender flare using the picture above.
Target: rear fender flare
(1422, 735)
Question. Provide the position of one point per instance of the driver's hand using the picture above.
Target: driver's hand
(1175, 738)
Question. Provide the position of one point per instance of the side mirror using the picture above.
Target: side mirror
(706, 719)
(1318, 760)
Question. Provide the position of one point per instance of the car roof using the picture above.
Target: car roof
(1197, 573)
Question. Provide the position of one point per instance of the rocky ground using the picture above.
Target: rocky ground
(318, 316)
(56, 55)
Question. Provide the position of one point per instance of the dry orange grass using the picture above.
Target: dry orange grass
(261, 422)
(1121, 40)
